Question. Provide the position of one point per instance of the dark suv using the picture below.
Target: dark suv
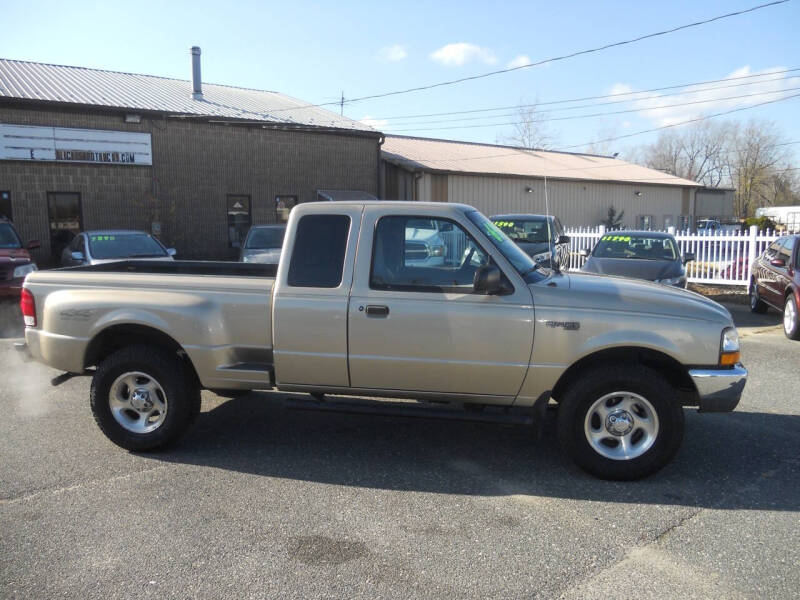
(775, 282)
(540, 236)
(15, 262)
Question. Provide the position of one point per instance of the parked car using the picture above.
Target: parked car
(96, 247)
(263, 244)
(15, 261)
(641, 255)
(775, 282)
(347, 312)
(540, 236)
(424, 244)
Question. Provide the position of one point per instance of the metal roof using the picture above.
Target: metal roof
(94, 87)
(427, 154)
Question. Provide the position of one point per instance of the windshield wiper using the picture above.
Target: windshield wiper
(144, 255)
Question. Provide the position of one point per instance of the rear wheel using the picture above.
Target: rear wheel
(757, 305)
(791, 318)
(620, 423)
(143, 398)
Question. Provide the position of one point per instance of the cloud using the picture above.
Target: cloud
(455, 55)
(393, 53)
(519, 61)
(658, 108)
(374, 123)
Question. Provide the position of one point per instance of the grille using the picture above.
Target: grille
(416, 251)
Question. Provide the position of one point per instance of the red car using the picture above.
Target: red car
(775, 282)
(15, 262)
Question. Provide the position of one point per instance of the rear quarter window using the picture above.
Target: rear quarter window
(319, 247)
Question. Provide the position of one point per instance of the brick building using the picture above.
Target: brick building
(194, 163)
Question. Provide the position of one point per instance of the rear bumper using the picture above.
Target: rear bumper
(719, 390)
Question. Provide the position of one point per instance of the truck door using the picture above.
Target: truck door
(309, 307)
(415, 323)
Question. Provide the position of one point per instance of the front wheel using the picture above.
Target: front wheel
(143, 398)
(791, 318)
(620, 423)
(757, 305)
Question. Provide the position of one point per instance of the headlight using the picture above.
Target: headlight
(23, 270)
(436, 250)
(729, 353)
(542, 256)
(247, 258)
(679, 280)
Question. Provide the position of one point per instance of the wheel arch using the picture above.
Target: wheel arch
(121, 335)
(676, 373)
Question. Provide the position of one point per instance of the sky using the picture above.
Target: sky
(317, 51)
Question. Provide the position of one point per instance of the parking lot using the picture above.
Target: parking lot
(260, 501)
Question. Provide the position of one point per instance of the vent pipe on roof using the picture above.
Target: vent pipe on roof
(197, 82)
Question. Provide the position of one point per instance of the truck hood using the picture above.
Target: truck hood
(619, 294)
(14, 256)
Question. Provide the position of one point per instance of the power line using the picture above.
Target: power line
(545, 61)
(727, 112)
(617, 95)
(592, 115)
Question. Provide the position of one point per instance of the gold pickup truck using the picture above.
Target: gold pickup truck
(358, 307)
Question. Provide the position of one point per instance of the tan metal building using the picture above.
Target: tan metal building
(577, 188)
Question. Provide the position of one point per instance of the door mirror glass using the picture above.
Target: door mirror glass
(584, 253)
(77, 256)
(488, 280)
(563, 239)
(688, 257)
(172, 251)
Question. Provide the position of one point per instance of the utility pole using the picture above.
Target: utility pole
(341, 104)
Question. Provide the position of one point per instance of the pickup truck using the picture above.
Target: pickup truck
(488, 334)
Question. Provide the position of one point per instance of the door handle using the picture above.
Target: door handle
(375, 310)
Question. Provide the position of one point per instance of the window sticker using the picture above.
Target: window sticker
(616, 238)
(491, 230)
(103, 238)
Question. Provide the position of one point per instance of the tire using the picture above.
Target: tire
(155, 414)
(791, 318)
(757, 305)
(635, 399)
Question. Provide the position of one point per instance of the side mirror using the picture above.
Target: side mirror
(688, 257)
(77, 256)
(563, 239)
(488, 280)
(584, 253)
(777, 262)
(172, 251)
(33, 245)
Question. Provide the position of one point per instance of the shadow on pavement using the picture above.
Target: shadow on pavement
(742, 317)
(723, 463)
(10, 319)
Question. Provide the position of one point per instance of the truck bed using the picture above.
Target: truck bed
(180, 267)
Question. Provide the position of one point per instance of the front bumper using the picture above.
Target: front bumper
(719, 390)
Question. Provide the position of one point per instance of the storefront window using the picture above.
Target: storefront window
(239, 219)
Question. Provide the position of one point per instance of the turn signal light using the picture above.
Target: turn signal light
(28, 308)
(728, 359)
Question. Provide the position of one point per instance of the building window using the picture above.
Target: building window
(239, 219)
(5, 206)
(283, 206)
(646, 222)
(320, 243)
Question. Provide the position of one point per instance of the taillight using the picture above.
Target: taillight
(28, 308)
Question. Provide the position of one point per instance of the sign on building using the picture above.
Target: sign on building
(61, 144)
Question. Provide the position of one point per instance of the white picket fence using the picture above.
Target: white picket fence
(721, 257)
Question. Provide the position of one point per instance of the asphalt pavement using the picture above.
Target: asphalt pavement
(259, 501)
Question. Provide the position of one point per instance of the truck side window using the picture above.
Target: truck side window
(419, 254)
(320, 243)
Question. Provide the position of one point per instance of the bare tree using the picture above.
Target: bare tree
(530, 131)
(699, 153)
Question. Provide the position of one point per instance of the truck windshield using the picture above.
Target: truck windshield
(8, 237)
(124, 245)
(523, 263)
(532, 231)
(264, 238)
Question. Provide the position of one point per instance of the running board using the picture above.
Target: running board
(413, 410)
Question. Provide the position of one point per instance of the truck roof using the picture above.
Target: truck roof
(446, 206)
